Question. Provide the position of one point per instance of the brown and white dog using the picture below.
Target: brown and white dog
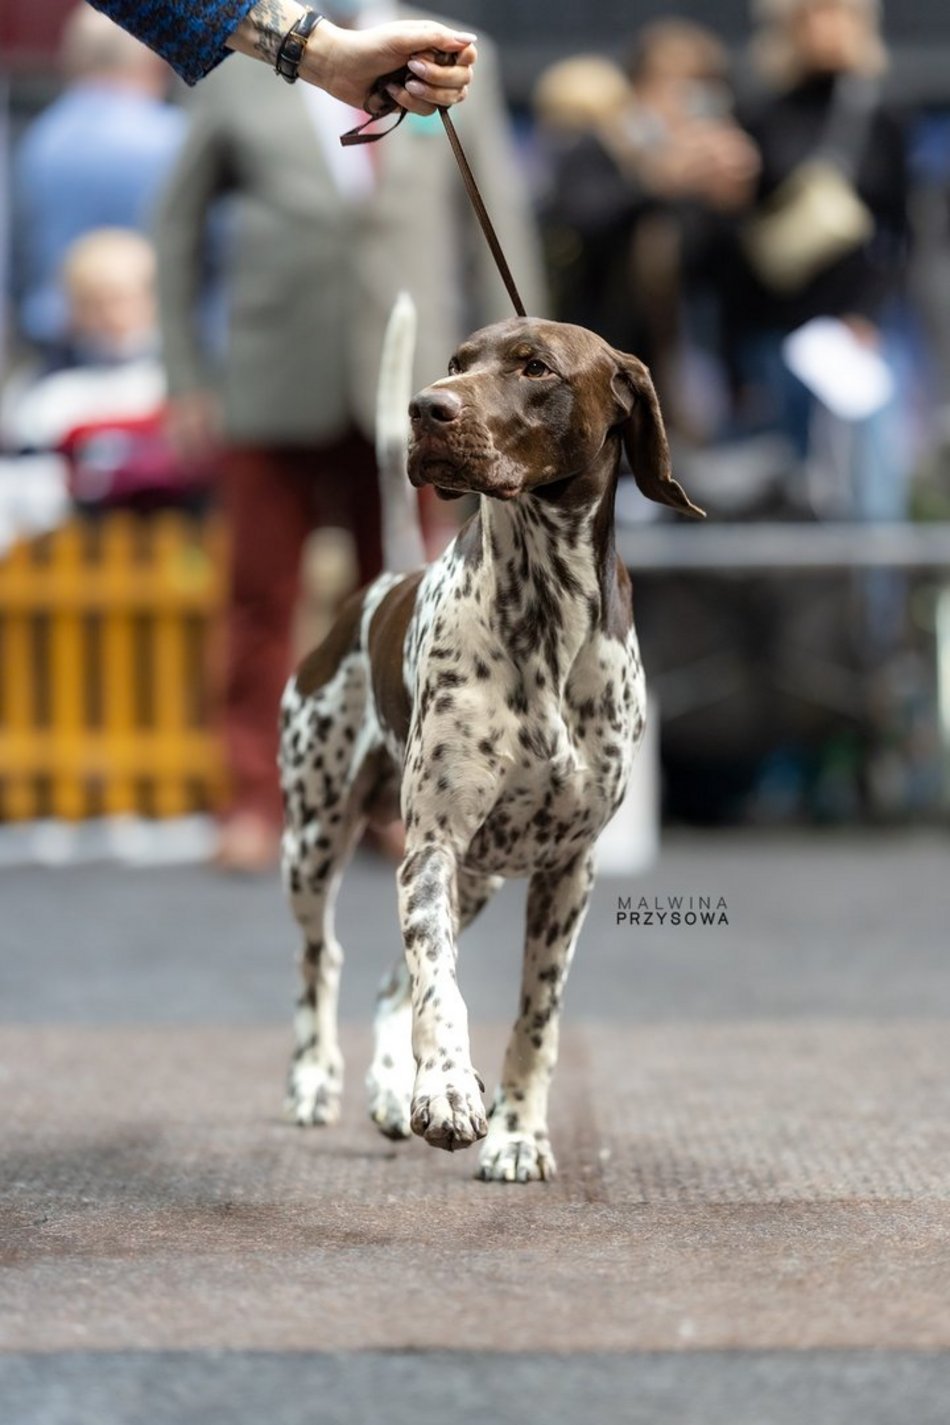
(496, 698)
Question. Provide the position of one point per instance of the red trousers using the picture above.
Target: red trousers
(272, 499)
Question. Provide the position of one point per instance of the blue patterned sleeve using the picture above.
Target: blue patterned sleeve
(189, 34)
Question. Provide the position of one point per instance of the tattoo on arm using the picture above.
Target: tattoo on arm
(269, 21)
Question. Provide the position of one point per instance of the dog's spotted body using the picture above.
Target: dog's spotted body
(495, 698)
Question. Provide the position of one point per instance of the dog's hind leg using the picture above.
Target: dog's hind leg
(315, 1076)
(393, 1070)
(325, 778)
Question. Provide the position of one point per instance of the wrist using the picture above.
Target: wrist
(294, 44)
(319, 61)
(263, 28)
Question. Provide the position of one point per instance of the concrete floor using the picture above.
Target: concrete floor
(752, 1221)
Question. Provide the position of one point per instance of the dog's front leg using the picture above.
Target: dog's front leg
(447, 1108)
(518, 1148)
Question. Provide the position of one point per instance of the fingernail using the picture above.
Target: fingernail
(469, 39)
(415, 87)
(419, 67)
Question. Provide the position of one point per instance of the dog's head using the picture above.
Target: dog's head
(528, 403)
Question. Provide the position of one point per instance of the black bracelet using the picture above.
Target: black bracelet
(293, 44)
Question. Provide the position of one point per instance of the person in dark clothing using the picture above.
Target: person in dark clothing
(622, 189)
(823, 57)
(787, 132)
(830, 146)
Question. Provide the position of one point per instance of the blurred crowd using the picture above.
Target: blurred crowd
(198, 291)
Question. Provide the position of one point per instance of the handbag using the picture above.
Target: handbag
(816, 215)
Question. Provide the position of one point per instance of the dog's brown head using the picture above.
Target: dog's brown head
(528, 403)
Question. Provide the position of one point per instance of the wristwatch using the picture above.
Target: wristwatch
(293, 44)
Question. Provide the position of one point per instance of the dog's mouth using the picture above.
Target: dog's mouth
(455, 472)
(436, 470)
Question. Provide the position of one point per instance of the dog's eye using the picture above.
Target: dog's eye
(535, 367)
(454, 367)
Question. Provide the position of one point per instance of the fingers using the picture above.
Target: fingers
(440, 97)
(417, 104)
(421, 98)
(440, 76)
(405, 100)
(433, 84)
(436, 85)
(464, 57)
(415, 36)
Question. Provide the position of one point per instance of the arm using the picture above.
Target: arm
(195, 35)
(885, 189)
(201, 174)
(346, 63)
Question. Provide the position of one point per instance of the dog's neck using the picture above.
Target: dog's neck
(549, 561)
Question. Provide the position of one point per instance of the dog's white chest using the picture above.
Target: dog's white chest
(526, 715)
(568, 765)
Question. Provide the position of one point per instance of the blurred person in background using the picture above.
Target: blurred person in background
(825, 238)
(98, 399)
(816, 253)
(324, 239)
(96, 157)
(571, 100)
(571, 103)
(633, 162)
(107, 355)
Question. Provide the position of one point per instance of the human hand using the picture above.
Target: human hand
(193, 425)
(863, 330)
(711, 161)
(730, 168)
(347, 63)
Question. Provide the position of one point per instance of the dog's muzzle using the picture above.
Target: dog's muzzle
(433, 459)
(450, 452)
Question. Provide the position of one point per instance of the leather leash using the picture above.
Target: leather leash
(379, 104)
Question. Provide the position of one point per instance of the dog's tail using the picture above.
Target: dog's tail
(402, 535)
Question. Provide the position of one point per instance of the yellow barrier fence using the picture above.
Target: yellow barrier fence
(107, 646)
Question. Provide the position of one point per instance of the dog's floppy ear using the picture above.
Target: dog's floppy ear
(644, 436)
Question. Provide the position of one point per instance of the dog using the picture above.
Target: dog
(496, 699)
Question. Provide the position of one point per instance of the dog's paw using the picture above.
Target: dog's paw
(516, 1158)
(389, 1108)
(313, 1095)
(448, 1115)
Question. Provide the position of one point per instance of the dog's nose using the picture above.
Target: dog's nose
(438, 405)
